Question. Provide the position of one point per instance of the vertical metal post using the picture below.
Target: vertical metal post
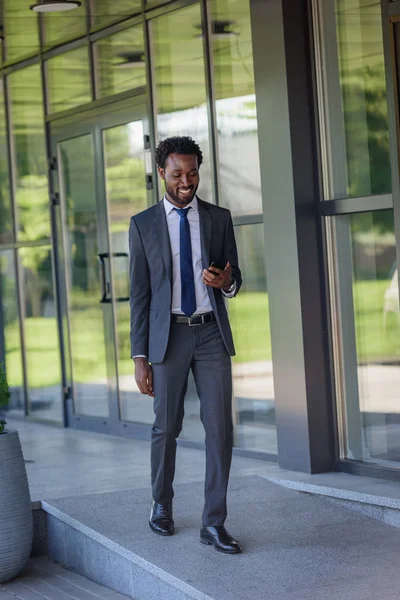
(210, 91)
(293, 246)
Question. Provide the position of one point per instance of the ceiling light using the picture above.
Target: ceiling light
(131, 60)
(220, 30)
(55, 5)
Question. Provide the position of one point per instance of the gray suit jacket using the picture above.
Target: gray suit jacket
(151, 275)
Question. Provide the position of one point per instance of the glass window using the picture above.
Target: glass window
(372, 409)
(41, 333)
(21, 29)
(68, 80)
(253, 383)
(29, 154)
(105, 12)
(10, 334)
(354, 98)
(120, 62)
(6, 224)
(180, 91)
(240, 189)
(65, 25)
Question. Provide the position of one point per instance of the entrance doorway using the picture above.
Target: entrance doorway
(103, 176)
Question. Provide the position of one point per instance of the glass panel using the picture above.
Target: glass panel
(81, 231)
(65, 25)
(120, 63)
(68, 79)
(240, 189)
(180, 91)
(253, 383)
(105, 12)
(373, 419)
(41, 333)
(21, 29)
(10, 334)
(27, 127)
(6, 224)
(126, 195)
(354, 96)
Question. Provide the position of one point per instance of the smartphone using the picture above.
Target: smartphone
(218, 265)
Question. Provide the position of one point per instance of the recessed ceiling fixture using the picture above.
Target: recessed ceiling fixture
(220, 30)
(55, 5)
(130, 60)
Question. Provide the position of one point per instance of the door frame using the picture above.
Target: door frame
(93, 122)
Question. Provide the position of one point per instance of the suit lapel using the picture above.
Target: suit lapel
(162, 238)
(205, 233)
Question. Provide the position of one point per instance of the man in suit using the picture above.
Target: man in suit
(179, 322)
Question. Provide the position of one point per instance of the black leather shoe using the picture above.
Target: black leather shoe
(220, 539)
(161, 520)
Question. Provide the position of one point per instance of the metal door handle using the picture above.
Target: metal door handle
(106, 286)
(104, 283)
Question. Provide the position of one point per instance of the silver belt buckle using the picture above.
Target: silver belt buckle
(196, 324)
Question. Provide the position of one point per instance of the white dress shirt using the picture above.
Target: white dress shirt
(203, 303)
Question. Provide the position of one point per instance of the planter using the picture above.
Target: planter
(16, 528)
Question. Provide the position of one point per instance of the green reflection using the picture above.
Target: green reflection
(240, 190)
(178, 60)
(41, 334)
(375, 288)
(86, 314)
(120, 62)
(179, 78)
(6, 225)
(63, 26)
(27, 126)
(21, 29)
(10, 340)
(68, 77)
(363, 86)
(126, 196)
(105, 12)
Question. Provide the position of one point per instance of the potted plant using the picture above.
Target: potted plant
(16, 527)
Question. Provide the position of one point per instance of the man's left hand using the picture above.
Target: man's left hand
(218, 278)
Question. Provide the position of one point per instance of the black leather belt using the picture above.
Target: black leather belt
(194, 320)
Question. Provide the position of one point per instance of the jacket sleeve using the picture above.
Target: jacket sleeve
(231, 254)
(140, 292)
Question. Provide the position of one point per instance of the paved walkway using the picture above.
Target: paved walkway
(67, 462)
(296, 547)
(42, 579)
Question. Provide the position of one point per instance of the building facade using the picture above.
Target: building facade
(294, 104)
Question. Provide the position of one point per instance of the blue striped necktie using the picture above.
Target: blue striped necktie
(188, 294)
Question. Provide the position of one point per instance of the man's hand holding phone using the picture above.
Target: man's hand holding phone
(218, 276)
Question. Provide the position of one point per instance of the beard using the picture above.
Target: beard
(177, 199)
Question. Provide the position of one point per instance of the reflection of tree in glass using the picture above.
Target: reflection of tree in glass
(36, 262)
(367, 131)
(125, 175)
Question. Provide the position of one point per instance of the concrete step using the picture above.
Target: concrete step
(376, 498)
(296, 546)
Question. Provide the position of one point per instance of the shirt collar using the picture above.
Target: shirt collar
(170, 207)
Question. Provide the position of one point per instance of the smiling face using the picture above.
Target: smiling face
(181, 178)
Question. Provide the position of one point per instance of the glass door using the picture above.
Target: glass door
(85, 243)
(104, 177)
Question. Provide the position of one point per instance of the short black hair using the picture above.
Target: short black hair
(177, 145)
